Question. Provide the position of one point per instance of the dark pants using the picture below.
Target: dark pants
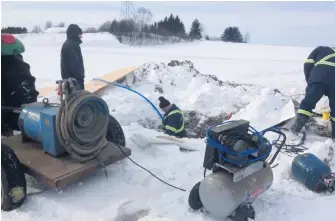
(81, 84)
(314, 93)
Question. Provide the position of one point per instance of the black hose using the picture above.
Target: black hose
(81, 124)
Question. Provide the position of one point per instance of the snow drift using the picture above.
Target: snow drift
(205, 99)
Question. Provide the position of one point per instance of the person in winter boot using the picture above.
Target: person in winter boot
(319, 71)
(173, 122)
(17, 83)
(72, 64)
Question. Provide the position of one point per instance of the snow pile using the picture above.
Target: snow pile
(268, 109)
(156, 218)
(41, 39)
(325, 151)
(201, 97)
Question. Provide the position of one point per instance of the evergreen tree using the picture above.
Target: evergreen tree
(145, 28)
(114, 27)
(232, 34)
(196, 30)
(14, 30)
(170, 26)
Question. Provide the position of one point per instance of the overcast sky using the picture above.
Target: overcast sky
(281, 23)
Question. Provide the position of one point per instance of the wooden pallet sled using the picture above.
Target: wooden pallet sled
(93, 86)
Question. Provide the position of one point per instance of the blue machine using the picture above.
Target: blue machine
(37, 122)
(311, 172)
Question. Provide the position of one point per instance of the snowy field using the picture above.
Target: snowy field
(133, 193)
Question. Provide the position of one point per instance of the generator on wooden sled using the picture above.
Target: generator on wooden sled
(62, 143)
(237, 155)
(77, 126)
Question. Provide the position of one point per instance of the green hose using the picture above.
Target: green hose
(81, 123)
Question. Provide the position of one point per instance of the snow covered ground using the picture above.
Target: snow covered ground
(129, 191)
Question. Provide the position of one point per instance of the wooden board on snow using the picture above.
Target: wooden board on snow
(146, 141)
(93, 85)
(60, 171)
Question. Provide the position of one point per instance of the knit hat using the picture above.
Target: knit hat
(163, 103)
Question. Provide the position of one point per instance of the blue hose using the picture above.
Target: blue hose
(128, 88)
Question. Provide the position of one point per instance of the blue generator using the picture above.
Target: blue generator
(37, 122)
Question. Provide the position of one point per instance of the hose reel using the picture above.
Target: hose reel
(81, 121)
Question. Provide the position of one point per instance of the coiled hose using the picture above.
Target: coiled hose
(81, 123)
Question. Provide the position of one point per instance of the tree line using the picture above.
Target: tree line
(171, 25)
(14, 30)
(140, 25)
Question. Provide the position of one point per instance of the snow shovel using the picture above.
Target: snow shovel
(145, 142)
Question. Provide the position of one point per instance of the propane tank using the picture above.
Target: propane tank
(220, 196)
(310, 170)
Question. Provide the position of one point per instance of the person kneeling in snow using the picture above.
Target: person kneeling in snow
(173, 122)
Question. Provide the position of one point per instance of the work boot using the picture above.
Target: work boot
(300, 121)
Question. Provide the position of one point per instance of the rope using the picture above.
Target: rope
(81, 123)
(132, 90)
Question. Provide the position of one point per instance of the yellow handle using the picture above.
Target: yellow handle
(325, 115)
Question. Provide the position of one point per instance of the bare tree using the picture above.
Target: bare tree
(142, 16)
(246, 37)
(48, 24)
(61, 25)
(36, 29)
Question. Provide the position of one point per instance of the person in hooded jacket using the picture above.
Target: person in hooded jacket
(17, 84)
(72, 64)
(173, 122)
(319, 69)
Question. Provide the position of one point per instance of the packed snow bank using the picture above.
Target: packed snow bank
(199, 96)
(268, 109)
(205, 99)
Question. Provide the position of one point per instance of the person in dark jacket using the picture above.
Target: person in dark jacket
(17, 88)
(173, 122)
(319, 71)
(72, 64)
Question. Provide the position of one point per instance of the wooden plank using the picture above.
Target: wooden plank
(92, 86)
(63, 170)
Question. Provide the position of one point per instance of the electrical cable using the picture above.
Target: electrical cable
(289, 149)
(149, 170)
(159, 114)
